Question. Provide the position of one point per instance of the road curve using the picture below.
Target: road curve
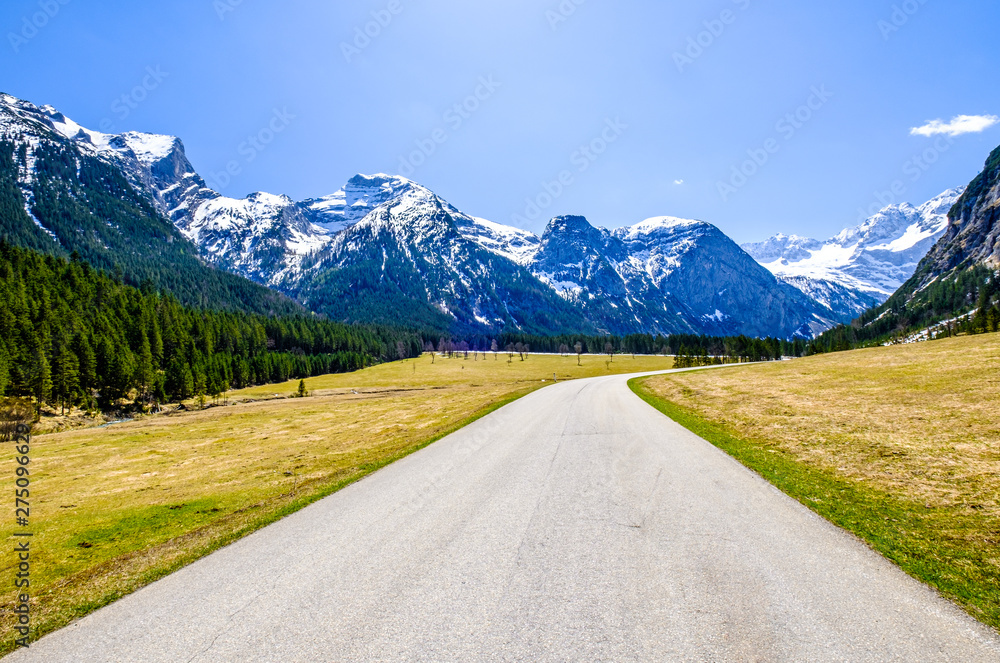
(577, 524)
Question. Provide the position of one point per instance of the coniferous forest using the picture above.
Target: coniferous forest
(74, 335)
(968, 300)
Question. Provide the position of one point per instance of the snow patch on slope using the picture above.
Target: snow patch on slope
(150, 148)
(875, 257)
(515, 244)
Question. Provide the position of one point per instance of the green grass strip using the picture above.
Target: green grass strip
(931, 545)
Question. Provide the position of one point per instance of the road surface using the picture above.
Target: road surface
(577, 524)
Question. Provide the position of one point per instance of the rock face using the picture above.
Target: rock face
(385, 249)
(959, 275)
(862, 266)
(973, 233)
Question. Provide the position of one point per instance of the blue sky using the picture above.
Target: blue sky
(642, 107)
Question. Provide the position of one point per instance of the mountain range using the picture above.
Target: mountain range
(386, 249)
(862, 266)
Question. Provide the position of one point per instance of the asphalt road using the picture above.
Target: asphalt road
(577, 524)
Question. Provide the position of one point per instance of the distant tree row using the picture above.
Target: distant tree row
(734, 348)
(731, 347)
(74, 335)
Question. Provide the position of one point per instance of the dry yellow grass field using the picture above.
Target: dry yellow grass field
(115, 508)
(899, 444)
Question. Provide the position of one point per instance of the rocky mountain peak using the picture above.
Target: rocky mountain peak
(973, 232)
(572, 228)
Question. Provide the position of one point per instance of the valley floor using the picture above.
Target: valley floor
(900, 445)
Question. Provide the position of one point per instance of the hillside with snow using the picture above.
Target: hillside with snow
(384, 248)
(115, 202)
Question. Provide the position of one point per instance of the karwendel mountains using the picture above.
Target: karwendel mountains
(388, 250)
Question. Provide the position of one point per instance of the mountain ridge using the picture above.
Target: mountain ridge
(862, 266)
(956, 284)
(362, 246)
(60, 196)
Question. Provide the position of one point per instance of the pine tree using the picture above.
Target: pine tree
(4, 369)
(41, 376)
(200, 386)
(187, 384)
(86, 361)
(118, 380)
(65, 375)
(144, 371)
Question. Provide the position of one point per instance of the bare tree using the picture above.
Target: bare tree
(579, 352)
(563, 350)
(519, 349)
(14, 412)
(609, 350)
(401, 350)
(494, 347)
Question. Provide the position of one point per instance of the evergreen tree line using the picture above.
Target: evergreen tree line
(74, 335)
(974, 290)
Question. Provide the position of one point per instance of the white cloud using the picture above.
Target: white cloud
(963, 124)
(678, 182)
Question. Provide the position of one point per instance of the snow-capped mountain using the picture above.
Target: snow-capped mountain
(352, 203)
(861, 266)
(112, 200)
(386, 249)
(409, 261)
(262, 237)
(515, 244)
(669, 273)
(960, 274)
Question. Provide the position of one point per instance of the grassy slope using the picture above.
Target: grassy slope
(116, 508)
(899, 445)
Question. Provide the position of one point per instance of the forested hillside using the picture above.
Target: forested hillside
(966, 300)
(71, 334)
(84, 204)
